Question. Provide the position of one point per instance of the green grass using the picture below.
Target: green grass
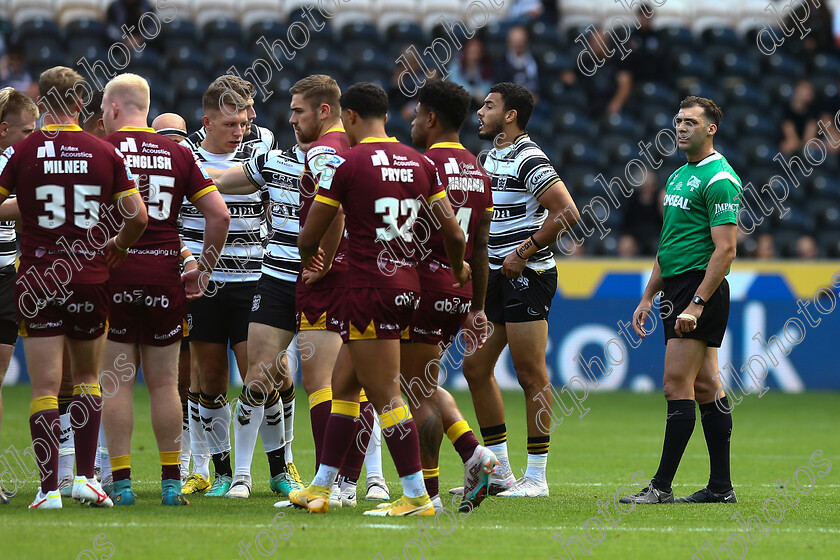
(590, 459)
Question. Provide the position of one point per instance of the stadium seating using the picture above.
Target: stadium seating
(710, 50)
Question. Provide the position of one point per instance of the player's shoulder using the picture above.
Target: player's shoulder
(715, 168)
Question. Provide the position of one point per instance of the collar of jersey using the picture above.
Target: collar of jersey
(62, 127)
(512, 144)
(454, 145)
(372, 139)
(136, 129)
(336, 129)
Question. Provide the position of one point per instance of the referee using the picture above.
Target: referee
(696, 249)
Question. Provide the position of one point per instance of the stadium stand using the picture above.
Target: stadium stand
(710, 50)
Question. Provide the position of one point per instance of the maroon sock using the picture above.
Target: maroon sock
(122, 474)
(465, 446)
(404, 444)
(170, 472)
(319, 415)
(85, 414)
(338, 437)
(352, 467)
(432, 486)
(45, 427)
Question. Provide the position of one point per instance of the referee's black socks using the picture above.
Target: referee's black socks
(717, 427)
(678, 428)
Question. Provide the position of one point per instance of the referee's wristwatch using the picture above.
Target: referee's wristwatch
(699, 301)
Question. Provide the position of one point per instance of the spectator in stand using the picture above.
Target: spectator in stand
(15, 73)
(806, 248)
(819, 38)
(126, 13)
(474, 71)
(642, 215)
(519, 65)
(628, 247)
(765, 247)
(401, 101)
(799, 121)
(643, 64)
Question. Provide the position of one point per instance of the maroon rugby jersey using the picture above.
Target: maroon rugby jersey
(469, 193)
(63, 178)
(382, 186)
(166, 173)
(333, 142)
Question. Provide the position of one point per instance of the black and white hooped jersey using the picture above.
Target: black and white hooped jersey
(242, 257)
(521, 173)
(279, 173)
(8, 235)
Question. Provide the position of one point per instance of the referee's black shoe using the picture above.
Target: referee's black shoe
(706, 496)
(649, 495)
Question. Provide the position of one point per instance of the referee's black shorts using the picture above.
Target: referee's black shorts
(678, 291)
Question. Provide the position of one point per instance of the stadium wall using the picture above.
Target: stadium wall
(783, 330)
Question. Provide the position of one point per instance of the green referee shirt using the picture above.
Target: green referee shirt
(698, 196)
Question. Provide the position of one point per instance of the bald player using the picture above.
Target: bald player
(171, 125)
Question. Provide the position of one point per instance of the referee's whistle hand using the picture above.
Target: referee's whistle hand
(640, 317)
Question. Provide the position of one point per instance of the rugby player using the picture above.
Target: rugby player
(316, 118)
(63, 176)
(17, 121)
(148, 299)
(441, 110)
(532, 207)
(272, 320)
(381, 185)
(220, 318)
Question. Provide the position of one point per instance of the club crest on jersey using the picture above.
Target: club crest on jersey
(694, 182)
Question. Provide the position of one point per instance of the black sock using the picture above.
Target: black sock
(717, 427)
(678, 428)
(277, 461)
(221, 464)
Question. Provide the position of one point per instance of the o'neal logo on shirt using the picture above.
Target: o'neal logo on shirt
(726, 207)
(675, 200)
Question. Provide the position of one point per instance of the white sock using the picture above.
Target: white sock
(103, 455)
(185, 446)
(413, 485)
(501, 452)
(272, 427)
(198, 443)
(216, 422)
(246, 425)
(289, 428)
(373, 453)
(325, 476)
(66, 448)
(536, 466)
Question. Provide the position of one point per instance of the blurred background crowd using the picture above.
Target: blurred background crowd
(588, 124)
